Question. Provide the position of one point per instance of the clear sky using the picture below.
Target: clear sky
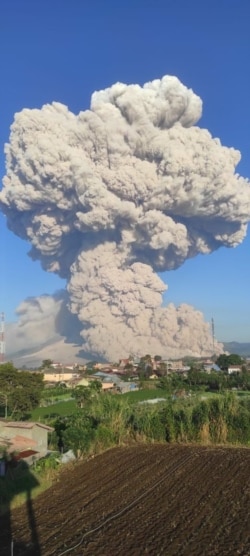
(63, 50)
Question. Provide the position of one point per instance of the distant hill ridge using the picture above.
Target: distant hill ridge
(241, 348)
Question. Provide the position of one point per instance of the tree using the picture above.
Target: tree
(79, 433)
(46, 364)
(82, 395)
(23, 389)
(8, 377)
(95, 387)
(224, 361)
(145, 367)
(194, 377)
(129, 368)
(86, 394)
(165, 383)
(20, 404)
(162, 369)
(216, 381)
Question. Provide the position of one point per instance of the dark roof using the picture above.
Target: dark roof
(25, 454)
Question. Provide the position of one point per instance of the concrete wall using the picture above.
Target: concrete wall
(59, 376)
(37, 433)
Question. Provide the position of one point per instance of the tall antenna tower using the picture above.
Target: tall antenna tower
(2, 338)
(212, 326)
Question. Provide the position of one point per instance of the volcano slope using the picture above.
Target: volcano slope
(170, 500)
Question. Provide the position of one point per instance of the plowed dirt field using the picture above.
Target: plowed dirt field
(143, 500)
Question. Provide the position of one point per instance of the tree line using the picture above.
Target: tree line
(20, 391)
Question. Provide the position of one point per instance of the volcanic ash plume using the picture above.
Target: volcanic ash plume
(116, 194)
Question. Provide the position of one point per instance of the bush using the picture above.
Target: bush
(181, 425)
(111, 420)
(167, 417)
(147, 422)
(80, 433)
(239, 426)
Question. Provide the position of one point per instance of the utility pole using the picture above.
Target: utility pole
(212, 326)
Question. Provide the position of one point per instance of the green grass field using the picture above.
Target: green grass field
(55, 397)
(56, 410)
(69, 407)
(142, 395)
(64, 408)
(243, 393)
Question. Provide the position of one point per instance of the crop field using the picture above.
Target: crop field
(170, 500)
(142, 395)
(62, 408)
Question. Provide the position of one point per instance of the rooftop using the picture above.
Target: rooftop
(23, 424)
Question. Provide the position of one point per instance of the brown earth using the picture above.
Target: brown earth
(144, 500)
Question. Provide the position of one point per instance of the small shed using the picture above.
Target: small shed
(234, 369)
(25, 435)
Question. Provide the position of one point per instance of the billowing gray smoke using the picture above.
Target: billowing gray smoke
(111, 196)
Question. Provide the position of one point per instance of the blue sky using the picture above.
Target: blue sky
(63, 50)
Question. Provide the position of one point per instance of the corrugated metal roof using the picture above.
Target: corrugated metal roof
(107, 376)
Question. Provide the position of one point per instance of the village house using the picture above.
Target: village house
(124, 362)
(26, 439)
(80, 381)
(125, 387)
(210, 367)
(70, 366)
(60, 374)
(173, 366)
(234, 369)
(113, 382)
(107, 386)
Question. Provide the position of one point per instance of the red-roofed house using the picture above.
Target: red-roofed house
(23, 436)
